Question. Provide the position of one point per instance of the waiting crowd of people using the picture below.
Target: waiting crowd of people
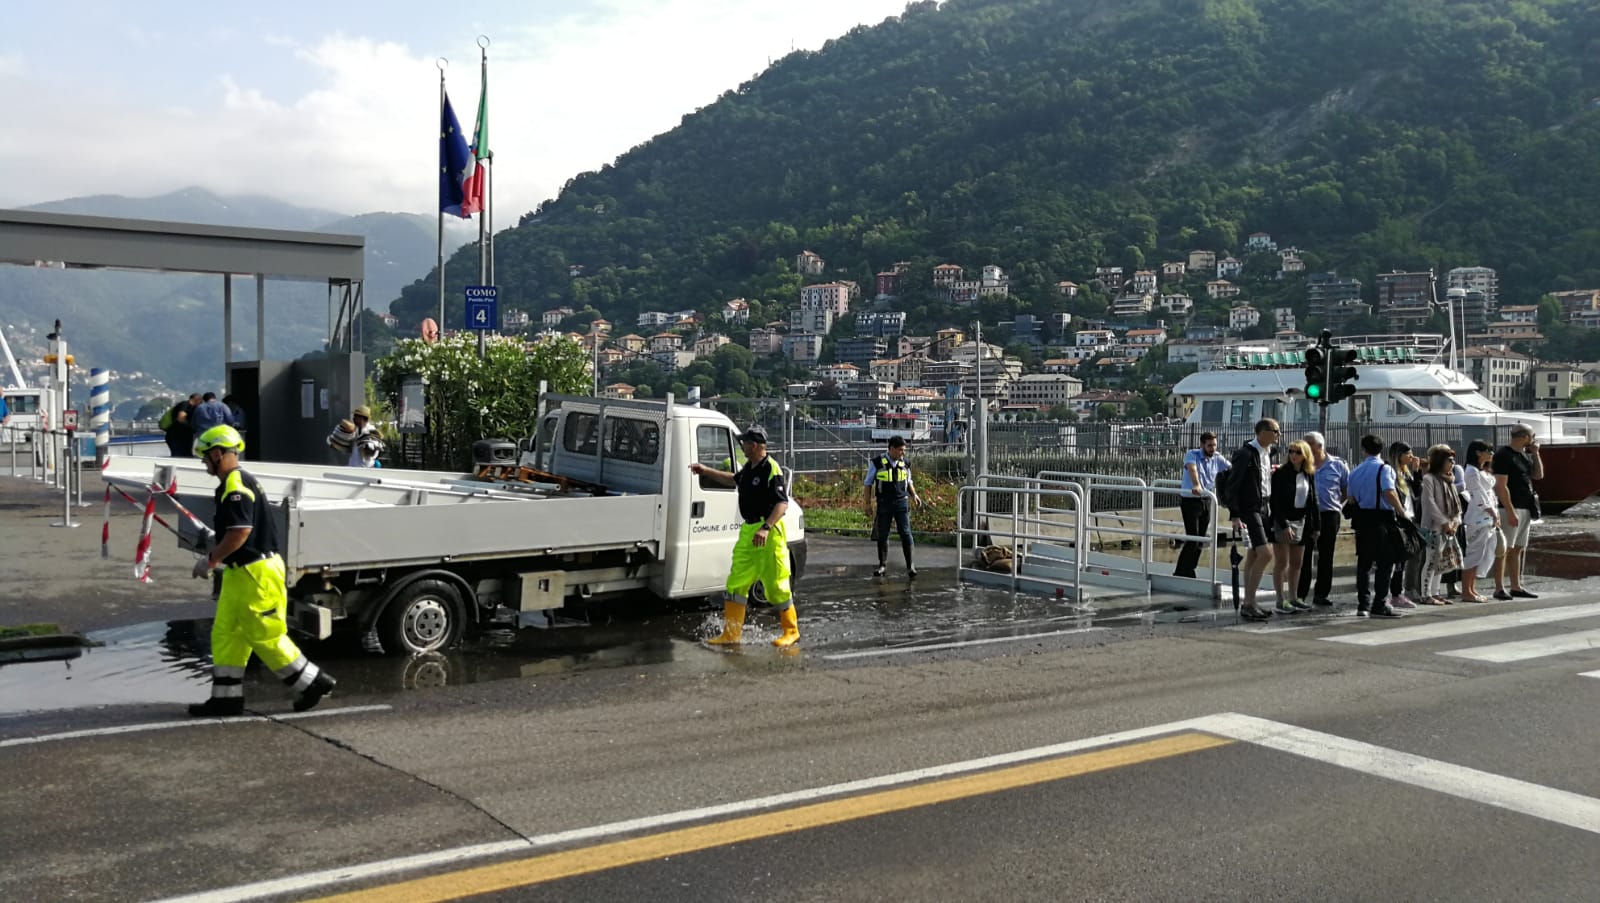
(1424, 525)
(355, 442)
(192, 416)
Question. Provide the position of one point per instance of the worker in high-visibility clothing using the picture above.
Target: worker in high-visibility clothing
(251, 603)
(889, 484)
(762, 552)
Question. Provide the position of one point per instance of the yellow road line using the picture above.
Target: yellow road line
(568, 863)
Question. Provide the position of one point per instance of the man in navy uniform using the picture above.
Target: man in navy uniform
(889, 484)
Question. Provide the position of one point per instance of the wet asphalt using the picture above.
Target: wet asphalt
(621, 713)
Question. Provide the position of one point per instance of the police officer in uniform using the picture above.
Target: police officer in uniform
(251, 603)
(889, 483)
(762, 552)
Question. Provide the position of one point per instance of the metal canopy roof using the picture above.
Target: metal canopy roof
(28, 236)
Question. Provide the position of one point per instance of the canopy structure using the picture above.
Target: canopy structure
(32, 238)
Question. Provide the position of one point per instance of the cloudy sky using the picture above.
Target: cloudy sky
(334, 104)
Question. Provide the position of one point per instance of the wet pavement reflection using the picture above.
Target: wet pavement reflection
(166, 662)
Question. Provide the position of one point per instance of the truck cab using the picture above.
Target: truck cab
(619, 445)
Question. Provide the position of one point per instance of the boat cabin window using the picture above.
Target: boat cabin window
(1472, 401)
(1401, 403)
(1272, 407)
(1244, 411)
(1211, 411)
(638, 441)
(713, 447)
(23, 404)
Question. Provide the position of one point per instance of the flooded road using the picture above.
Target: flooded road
(167, 662)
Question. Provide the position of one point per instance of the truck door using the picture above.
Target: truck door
(713, 523)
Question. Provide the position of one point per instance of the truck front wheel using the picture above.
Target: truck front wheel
(425, 617)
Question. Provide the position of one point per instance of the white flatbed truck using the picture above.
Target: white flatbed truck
(600, 502)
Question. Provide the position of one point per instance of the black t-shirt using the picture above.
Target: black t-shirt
(181, 431)
(241, 502)
(1517, 468)
(761, 488)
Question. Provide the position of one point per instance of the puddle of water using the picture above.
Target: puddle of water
(136, 665)
(167, 662)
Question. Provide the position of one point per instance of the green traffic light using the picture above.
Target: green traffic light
(1313, 391)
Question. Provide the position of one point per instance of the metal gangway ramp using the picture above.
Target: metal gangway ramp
(1080, 535)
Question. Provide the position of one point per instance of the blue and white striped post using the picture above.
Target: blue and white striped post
(100, 419)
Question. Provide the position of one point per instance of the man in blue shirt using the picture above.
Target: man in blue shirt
(1378, 543)
(1332, 480)
(1200, 468)
(209, 413)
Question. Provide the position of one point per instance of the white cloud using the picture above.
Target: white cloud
(565, 96)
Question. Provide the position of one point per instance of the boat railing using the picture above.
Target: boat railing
(1371, 350)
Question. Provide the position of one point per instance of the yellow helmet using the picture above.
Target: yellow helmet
(225, 437)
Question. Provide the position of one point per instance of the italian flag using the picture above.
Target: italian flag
(473, 187)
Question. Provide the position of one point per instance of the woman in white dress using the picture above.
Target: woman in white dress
(1482, 520)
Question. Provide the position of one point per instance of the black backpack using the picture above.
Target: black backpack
(1227, 486)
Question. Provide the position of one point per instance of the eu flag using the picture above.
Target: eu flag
(455, 159)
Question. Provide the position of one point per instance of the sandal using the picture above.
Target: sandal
(1474, 598)
(1430, 600)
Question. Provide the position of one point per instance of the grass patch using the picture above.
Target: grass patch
(833, 504)
(11, 633)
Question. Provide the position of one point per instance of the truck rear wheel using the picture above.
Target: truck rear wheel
(425, 617)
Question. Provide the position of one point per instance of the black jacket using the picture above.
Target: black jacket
(1247, 482)
(1283, 507)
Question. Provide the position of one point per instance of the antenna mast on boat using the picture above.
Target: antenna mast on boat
(11, 361)
(1449, 313)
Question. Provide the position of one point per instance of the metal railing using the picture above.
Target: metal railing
(1022, 526)
(54, 457)
(1062, 508)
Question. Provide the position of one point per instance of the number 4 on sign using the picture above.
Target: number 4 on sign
(481, 315)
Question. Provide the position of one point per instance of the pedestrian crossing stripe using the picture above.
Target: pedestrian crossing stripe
(1521, 650)
(1467, 625)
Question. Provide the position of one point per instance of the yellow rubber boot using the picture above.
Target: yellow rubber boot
(791, 628)
(732, 624)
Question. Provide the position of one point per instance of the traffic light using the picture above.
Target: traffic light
(1316, 373)
(1341, 374)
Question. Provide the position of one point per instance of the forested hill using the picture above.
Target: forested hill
(1051, 136)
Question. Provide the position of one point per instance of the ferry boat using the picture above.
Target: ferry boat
(912, 427)
(1406, 390)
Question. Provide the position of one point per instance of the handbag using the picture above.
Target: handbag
(1403, 537)
(1296, 531)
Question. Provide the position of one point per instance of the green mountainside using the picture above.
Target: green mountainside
(1052, 136)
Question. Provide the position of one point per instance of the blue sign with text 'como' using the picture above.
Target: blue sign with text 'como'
(483, 307)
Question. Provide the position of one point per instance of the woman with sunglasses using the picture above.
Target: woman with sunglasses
(1293, 506)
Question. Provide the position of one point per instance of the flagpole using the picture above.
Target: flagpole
(488, 210)
(483, 247)
(442, 63)
(486, 217)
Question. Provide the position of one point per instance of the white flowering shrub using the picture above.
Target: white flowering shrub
(471, 399)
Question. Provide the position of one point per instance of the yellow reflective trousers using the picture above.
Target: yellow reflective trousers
(250, 617)
(768, 564)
